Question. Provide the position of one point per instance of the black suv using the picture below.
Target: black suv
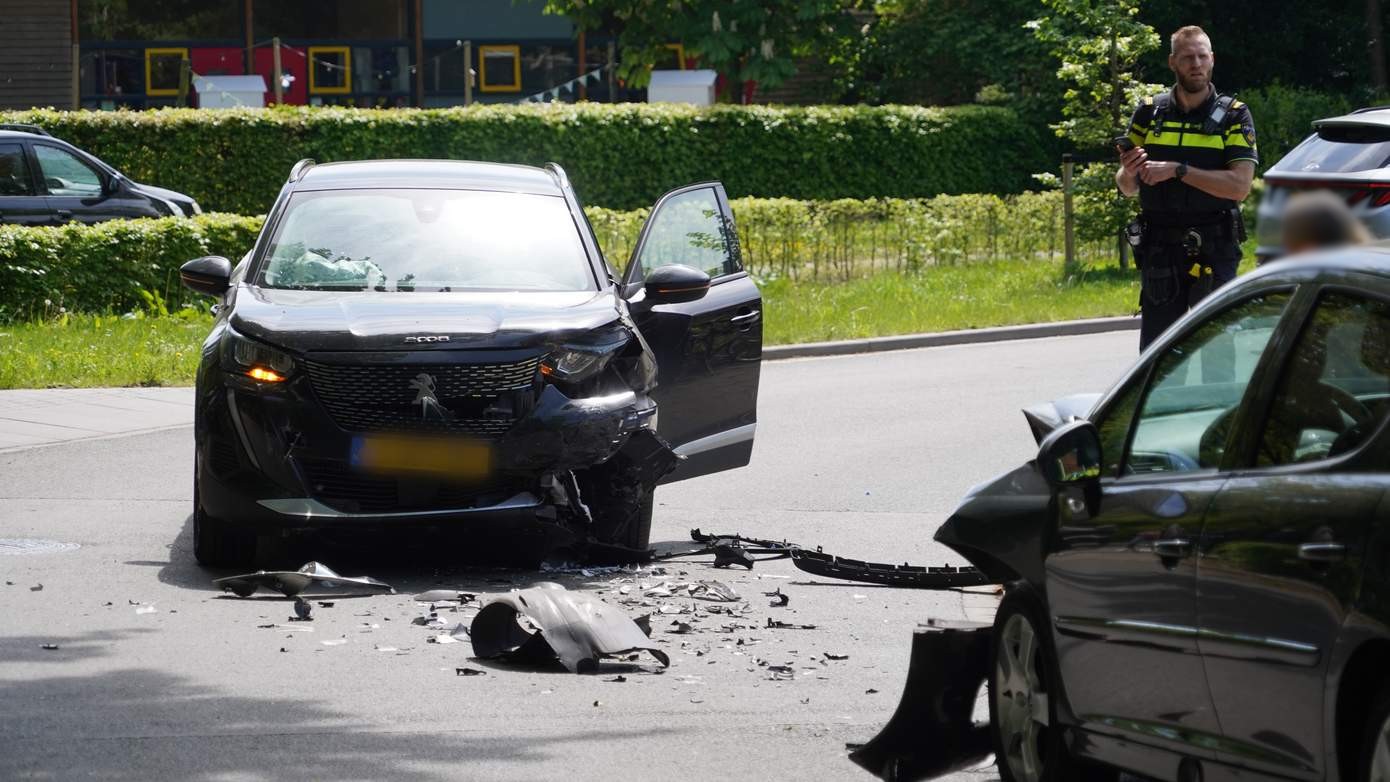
(443, 343)
(47, 181)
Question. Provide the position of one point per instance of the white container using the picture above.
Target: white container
(229, 92)
(695, 87)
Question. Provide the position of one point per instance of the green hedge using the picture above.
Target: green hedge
(111, 266)
(120, 265)
(621, 156)
(1284, 116)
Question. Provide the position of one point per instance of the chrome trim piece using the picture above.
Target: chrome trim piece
(309, 508)
(718, 440)
(241, 430)
(1213, 642)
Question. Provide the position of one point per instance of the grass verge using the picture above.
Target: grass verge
(111, 350)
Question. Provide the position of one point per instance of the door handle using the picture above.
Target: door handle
(1172, 548)
(1322, 552)
(747, 318)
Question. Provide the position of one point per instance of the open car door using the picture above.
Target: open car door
(708, 349)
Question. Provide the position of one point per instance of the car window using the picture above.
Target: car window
(404, 240)
(1196, 386)
(64, 174)
(14, 172)
(1335, 388)
(1340, 150)
(1113, 424)
(690, 229)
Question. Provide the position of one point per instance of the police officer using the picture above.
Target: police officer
(1191, 164)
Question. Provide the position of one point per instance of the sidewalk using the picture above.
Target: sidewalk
(33, 417)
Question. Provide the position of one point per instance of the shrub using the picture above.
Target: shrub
(120, 265)
(1284, 116)
(621, 156)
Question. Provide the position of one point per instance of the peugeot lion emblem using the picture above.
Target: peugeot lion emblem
(430, 408)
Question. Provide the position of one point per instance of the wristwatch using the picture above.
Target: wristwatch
(1181, 172)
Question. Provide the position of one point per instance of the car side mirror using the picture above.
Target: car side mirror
(1070, 455)
(676, 284)
(210, 275)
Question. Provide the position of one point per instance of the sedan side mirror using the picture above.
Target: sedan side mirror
(1070, 455)
(676, 284)
(210, 275)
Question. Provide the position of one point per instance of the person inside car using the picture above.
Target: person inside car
(1320, 220)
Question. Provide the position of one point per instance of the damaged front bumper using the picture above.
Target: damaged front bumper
(277, 461)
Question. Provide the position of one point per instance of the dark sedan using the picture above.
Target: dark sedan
(1198, 567)
(443, 343)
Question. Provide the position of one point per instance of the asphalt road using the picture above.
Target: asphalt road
(862, 455)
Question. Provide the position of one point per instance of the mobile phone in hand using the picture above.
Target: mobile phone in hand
(1123, 143)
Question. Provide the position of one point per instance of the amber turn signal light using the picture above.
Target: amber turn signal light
(265, 375)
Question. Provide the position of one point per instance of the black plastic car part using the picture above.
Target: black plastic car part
(908, 576)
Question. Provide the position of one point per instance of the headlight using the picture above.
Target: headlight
(255, 360)
(575, 362)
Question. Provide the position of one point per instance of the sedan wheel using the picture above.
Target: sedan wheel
(1375, 744)
(1021, 700)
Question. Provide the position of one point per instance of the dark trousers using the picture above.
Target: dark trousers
(1167, 287)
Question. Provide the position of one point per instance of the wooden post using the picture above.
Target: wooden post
(277, 76)
(612, 77)
(77, 77)
(583, 67)
(1124, 249)
(1069, 218)
(185, 69)
(419, 54)
(467, 73)
(249, 22)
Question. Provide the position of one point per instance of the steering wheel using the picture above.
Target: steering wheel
(1354, 408)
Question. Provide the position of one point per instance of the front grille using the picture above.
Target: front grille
(339, 486)
(379, 397)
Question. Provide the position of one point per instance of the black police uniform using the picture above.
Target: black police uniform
(1189, 240)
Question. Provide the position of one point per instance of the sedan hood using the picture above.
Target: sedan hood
(303, 321)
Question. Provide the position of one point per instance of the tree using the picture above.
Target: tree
(744, 40)
(1099, 44)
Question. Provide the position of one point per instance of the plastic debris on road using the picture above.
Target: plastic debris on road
(293, 583)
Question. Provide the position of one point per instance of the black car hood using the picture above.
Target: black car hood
(161, 192)
(1001, 525)
(303, 321)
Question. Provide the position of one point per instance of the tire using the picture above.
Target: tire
(1024, 728)
(1375, 743)
(620, 504)
(217, 543)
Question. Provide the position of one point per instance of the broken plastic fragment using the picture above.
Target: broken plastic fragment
(618, 679)
(776, 625)
(833, 656)
(781, 672)
(573, 627)
(715, 590)
(469, 672)
(50, 647)
(146, 609)
(678, 628)
(779, 600)
(334, 642)
(36, 588)
(293, 583)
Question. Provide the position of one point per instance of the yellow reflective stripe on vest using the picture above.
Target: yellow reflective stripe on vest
(1174, 139)
(1236, 138)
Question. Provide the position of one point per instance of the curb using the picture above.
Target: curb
(1066, 328)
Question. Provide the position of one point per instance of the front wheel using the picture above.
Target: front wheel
(217, 543)
(1375, 745)
(1023, 699)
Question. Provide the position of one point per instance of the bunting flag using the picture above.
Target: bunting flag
(594, 76)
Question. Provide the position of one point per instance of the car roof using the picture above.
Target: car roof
(1372, 258)
(444, 174)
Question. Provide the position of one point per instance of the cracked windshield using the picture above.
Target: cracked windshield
(426, 240)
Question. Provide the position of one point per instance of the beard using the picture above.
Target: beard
(1194, 83)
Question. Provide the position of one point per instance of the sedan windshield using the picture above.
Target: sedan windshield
(426, 240)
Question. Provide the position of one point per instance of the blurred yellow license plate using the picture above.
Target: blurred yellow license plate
(445, 458)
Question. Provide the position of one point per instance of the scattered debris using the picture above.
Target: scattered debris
(292, 583)
(781, 672)
(146, 609)
(678, 628)
(779, 599)
(871, 691)
(445, 596)
(325, 604)
(469, 672)
(904, 575)
(575, 628)
(773, 624)
(50, 647)
(295, 628)
(302, 611)
(714, 590)
(334, 642)
(833, 656)
(454, 636)
(36, 588)
(617, 679)
(730, 554)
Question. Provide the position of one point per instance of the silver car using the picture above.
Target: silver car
(1348, 155)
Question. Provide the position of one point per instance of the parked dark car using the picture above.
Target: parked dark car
(443, 343)
(47, 181)
(1198, 567)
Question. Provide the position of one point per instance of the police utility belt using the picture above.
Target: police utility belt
(1189, 233)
